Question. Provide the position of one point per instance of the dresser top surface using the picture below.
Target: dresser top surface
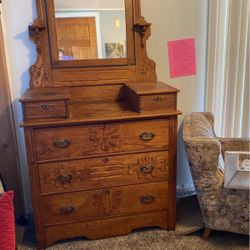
(45, 94)
(151, 88)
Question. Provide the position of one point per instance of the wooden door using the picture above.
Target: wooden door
(77, 37)
(9, 164)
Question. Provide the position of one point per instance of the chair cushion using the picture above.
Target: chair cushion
(7, 221)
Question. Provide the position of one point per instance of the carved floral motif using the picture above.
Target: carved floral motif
(38, 75)
(107, 201)
(105, 137)
(148, 167)
(69, 175)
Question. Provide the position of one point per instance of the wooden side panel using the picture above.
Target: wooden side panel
(172, 173)
(34, 183)
(59, 177)
(101, 203)
(82, 141)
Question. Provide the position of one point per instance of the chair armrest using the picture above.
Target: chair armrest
(234, 144)
(210, 117)
(203, 157)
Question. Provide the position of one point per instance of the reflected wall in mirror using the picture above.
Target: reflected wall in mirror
(90, 29)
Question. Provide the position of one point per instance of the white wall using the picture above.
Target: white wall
(21, 53)
(171, 19)
(177, 19)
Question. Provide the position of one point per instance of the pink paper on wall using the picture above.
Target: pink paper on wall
(182, 57)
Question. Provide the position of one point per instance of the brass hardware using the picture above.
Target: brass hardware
(64, 178)
(147, 136)
(147, 169)
(61, 143)
(147, 199)
(45, 107)
(157, 99)
(68, 209)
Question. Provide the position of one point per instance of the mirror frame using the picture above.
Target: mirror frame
(45, 73)
(56, 63)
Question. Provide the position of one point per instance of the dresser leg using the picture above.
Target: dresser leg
(206, 233)
(41, 245)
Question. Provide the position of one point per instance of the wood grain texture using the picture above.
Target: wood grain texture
(150, 96)
(45, 110)
(101, 139)
(77, 37)
(100, 112)
(108, 171)
(103, 203)
(98, 229)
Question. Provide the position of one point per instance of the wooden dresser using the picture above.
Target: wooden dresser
(101, 140)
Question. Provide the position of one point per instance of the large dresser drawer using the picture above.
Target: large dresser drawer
(81, 141)
(102, 172)
(103, 203)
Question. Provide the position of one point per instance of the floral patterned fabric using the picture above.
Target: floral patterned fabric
(222, 209)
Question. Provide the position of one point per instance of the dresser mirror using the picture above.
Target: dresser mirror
(90, 33)
(90, 29)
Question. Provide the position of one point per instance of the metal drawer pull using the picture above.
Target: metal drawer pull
(45, 107)
(64, 178)
(147, 169)
(61, 143)
(147, 136)
(68, 209)
(157, 99)
(147, 199)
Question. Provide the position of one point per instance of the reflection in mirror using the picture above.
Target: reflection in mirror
(90, 29)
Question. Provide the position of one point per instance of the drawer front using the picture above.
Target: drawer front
(103, 172)
(155, 102)
(102, 203)
(41, 110)
(82, 141)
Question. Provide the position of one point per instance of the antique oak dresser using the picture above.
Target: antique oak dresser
(100, 132)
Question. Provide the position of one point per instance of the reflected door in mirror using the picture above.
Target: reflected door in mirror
(76, 38)
(88, 29)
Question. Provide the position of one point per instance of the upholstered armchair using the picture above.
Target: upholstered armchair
(222, 209)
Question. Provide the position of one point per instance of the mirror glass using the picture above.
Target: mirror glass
(90, 29)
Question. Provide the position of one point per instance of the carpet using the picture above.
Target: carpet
(157, 239)
(188, 216)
